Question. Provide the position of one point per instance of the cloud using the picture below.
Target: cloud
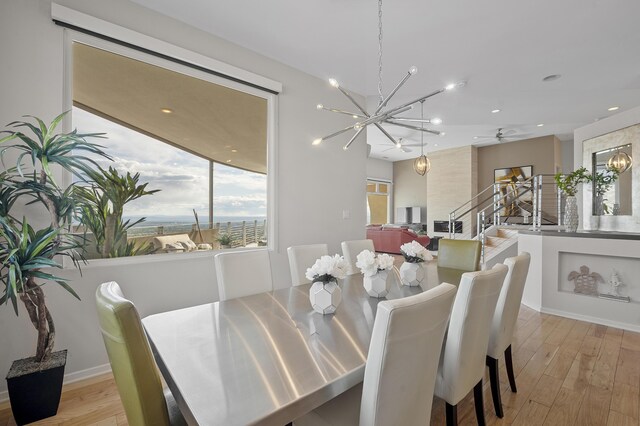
(183, 178)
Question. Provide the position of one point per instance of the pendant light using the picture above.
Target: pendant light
(422, 165)
(383, 113)
(621, 161)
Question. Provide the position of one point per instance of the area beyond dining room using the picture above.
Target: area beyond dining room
(319, 213)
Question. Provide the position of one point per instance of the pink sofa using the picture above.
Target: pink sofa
(389, 239)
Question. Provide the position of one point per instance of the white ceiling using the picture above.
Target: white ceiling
(503, 48)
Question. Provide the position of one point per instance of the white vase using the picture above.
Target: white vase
(571, 217)
(377, 285)
(325, 297)
(412, 274)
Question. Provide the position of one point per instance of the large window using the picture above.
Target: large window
(201, 144)
(378, 202)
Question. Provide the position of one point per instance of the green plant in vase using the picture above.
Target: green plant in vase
(569, 185)
(603, 180)
(30, 255)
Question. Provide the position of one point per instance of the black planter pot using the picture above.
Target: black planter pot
(35, 388)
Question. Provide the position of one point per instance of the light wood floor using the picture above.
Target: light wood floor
(568, 373)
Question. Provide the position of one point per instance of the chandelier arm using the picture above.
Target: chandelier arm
(416, 120)
(433, 132)
(415, 101)
(352, 139)
(393, 92)
(340, 111)
(384, 132)
(339, 132)
(348, 95)
(382, 117)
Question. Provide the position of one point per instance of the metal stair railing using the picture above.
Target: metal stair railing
(509, 198)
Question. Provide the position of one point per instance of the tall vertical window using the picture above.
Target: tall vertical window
(378, 202)
(202, 145)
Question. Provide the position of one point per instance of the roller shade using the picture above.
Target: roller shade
(215, 122)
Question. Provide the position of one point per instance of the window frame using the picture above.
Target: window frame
(72, 36)
(389, 193)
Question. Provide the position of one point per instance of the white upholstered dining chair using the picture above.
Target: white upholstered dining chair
(462, 363)
(303, 257)
(243, 273)
(401, 367)
(504, 322)
(351, 249)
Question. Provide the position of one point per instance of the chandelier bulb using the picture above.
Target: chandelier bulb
(450, 86)
(334, 82)
(319, 106)
(346, 147)
(317, 141)
(357, 126)
(398, 144)
(413, 70)
(436, 121)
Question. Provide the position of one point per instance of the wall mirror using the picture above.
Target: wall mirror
(622, 198)
(614, 198)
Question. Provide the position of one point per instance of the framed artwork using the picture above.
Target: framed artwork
(508, 179)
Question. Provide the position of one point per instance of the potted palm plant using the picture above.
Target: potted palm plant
(102, 207)
(29, 256)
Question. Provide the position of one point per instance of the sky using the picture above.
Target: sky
(182, 177)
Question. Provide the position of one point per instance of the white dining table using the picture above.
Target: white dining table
(267, 358)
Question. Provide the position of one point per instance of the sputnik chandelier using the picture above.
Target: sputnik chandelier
(384, 114)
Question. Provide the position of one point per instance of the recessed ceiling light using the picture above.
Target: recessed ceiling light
(540, 125)
(443, 134)
(614, 108)
(551, 77)
(167, 110)
(475, 137)
(494, 111)
(234, 150)
(435, 144)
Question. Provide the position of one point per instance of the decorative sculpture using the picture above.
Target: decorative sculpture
(585, 282)
(615, 282)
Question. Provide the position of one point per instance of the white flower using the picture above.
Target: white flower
(366, 261)
(415, 252)
(385, 262)
(326, 268)
(370, 264)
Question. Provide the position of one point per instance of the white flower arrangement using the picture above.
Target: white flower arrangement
(327, 268)
(414, 252)
(370, 264)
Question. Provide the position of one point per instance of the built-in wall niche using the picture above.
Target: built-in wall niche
(599, 276)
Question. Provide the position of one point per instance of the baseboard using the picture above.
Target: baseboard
(76, 376)
(532, 306)
(595, 320)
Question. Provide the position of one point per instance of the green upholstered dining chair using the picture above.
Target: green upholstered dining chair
(459, 254)
(135, 371)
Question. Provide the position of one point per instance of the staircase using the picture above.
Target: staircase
(496, 213)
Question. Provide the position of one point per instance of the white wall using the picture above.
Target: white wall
(379, 169)
(601, 127)
(314, 184)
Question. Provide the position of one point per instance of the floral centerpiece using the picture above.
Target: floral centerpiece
(414, 252)
(325, 295)
(412, 272)
(376, 271)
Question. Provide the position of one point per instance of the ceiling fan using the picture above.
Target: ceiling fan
(502, 135)
(404, 147)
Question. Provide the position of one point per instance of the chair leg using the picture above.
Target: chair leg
(494, 378)
(452, 415)
(479, 400)
(509, 363)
